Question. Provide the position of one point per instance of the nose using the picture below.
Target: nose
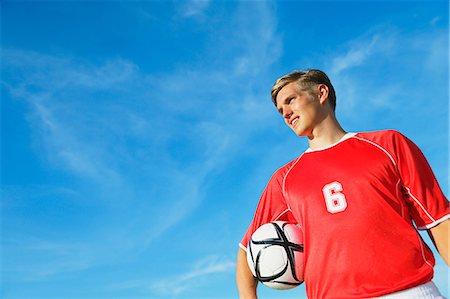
(287, 112)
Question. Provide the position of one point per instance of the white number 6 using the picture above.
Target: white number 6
(334, 198)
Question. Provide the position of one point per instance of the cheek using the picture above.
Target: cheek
(298, 108)
(307, 117)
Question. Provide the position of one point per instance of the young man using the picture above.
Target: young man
(355, 196)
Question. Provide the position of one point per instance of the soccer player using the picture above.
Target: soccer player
(356, 196)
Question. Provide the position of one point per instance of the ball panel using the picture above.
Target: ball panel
(275, 255)
(266, 231)
(282, 285)
(272, 260)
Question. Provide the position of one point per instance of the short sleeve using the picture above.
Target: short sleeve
(427, 204)
(271, 207)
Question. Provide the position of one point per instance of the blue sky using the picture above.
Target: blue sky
(138, 136)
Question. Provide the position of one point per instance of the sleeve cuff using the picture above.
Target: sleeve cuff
(433, 224)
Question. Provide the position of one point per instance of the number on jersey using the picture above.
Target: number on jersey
(334, 198)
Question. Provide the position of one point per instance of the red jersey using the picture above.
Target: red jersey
(355, 201)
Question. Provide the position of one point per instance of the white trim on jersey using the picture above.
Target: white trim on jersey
(243, 247)
(282, 213)
(393, 162)
(381, 148)
(436, 222)
(397, 187)
(345, 137)
(419, 204)
(422, 250)
(283, 185)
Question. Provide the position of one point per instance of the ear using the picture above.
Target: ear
(322, 93)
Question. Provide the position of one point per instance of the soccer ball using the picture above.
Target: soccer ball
(275, 255)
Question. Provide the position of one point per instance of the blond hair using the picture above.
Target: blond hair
(306, 80)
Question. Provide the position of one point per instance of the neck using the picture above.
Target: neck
(327, 133)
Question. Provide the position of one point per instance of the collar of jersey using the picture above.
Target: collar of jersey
(345, 137)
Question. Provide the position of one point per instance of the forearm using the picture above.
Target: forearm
(440, 234)
(246, 282)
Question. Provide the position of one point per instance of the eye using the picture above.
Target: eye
(290, 100)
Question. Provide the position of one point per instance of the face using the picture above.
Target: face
(302, 110)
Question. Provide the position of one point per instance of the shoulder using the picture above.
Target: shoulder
(381, 135)
(281, 172)
(392, 142)
(384, 138)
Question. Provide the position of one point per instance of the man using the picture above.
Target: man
(355, 196)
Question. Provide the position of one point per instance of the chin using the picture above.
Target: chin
(301, 132)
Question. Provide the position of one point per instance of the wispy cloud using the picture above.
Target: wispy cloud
(387, 70)
(378, 53)
(112, 127)
(354, 57)
(199, 273)
(193, 278)
(357, 52)
(435, 20)
(193, 8)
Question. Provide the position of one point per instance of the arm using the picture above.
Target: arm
(271, 206)
(440, 236)
(246, 283)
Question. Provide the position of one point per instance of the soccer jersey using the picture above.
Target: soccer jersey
(356, 201)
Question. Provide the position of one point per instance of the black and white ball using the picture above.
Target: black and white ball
(275, 255)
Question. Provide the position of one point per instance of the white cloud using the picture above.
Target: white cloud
(362, 49)
(200, 273)
(193, 278)
(193, 8)
(435, 20)
(362, 70)
(139, 145)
